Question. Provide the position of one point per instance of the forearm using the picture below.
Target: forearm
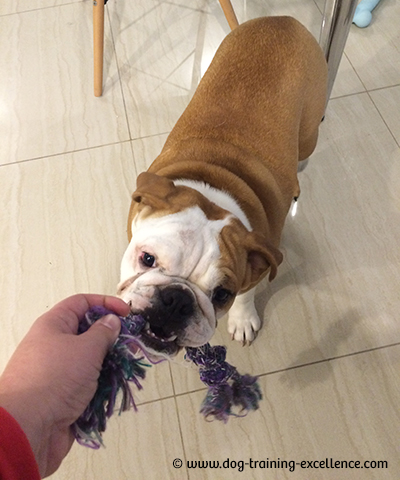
(22, 406)
(52, 375)
(16, 456)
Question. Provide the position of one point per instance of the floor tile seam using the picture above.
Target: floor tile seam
(281, 370)
(156, 77)
(368, 93)
(383, 119)
(121, 86)
(354, 68)
(3, 15)
(68, 152)
(354, 94)
(386, 87)
(174, 398)
(346, 95)
(150, 136)
(181, 434)
(361, 81)
(321, 11)
(330, 359)
(155, 7)
(193, 52)
(188, 7)
(162, 80)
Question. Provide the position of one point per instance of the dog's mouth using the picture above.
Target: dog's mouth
(156, 340)
(173, 317)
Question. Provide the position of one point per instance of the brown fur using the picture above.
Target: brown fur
(254, 115)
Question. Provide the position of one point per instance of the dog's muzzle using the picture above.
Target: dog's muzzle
(173, 307)
(177, 313)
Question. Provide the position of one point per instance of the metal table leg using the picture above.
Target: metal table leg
(336, 23)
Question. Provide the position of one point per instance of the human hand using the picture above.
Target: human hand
(53, 374)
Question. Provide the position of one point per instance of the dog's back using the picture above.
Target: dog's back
(254, 115)
(210, 209)
(256, 92)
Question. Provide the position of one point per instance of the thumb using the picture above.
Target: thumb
(104, 333)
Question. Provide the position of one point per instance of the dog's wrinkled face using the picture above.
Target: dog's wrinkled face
(171, 277)
(186, 261)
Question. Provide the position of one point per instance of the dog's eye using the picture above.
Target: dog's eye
(221, 296)
(147, 259)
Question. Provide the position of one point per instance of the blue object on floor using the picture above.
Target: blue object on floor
(363, 16)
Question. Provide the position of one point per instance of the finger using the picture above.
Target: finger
(66, 314)
(101, 336)
(80, 303)
(116, 305)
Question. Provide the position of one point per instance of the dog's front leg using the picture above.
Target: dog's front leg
(243, 321)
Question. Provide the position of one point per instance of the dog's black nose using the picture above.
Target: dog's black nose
(177, 303)
(172, 312)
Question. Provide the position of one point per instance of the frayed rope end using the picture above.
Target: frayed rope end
(227, 388)
(124, 363)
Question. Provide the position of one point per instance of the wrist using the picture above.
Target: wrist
(24, 408)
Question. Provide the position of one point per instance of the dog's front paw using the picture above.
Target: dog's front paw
(244, 328)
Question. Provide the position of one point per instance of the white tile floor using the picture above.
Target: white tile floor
(329, 353)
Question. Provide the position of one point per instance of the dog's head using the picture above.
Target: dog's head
(186, 261)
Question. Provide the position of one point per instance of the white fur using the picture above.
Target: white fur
(219, 197)
(243, 322)
(185, 245)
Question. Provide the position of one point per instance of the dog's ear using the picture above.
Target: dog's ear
(261, 256)
(153, 190)
(152, 194)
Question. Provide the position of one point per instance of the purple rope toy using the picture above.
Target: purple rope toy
(126, 362)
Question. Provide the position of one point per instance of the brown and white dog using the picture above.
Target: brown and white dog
(206, 218)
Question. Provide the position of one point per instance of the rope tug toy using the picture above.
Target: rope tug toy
(126, 362)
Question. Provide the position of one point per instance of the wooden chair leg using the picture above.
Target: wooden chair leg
(229, 13)
(98, 45)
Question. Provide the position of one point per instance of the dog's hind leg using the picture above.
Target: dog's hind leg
(308, 137)
(313, 108)
(302, 165)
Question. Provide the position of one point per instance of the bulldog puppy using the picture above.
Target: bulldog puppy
(206, 218)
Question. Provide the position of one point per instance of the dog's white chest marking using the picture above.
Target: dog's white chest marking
(219, 197)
